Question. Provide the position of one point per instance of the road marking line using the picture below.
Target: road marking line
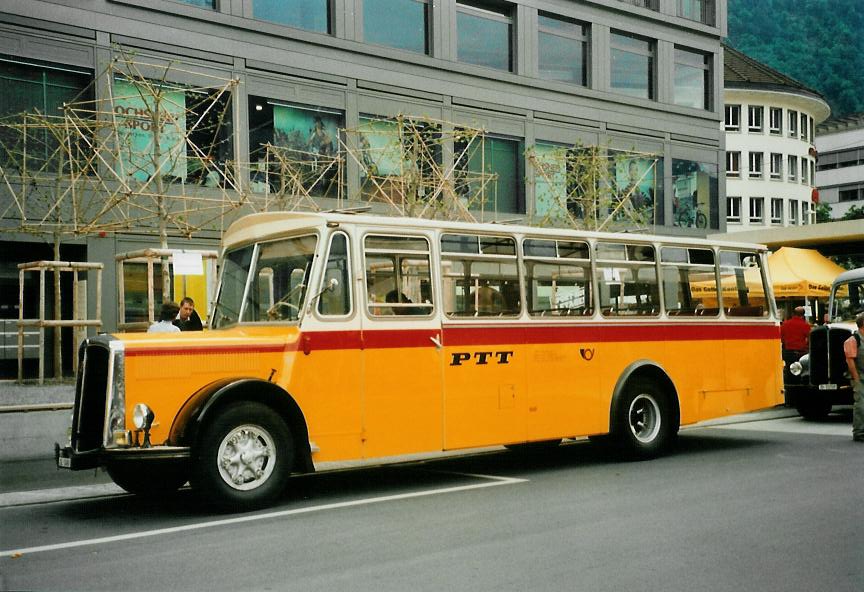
(494, 482)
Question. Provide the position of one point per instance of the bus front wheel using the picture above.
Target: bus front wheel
(243, 458)
(643, 426)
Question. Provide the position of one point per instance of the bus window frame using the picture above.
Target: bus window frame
(597, 264)
(575, 262)
(769, 312)
(516, 257)
(429, 252)
(323, 278)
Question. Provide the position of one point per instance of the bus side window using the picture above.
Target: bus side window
(398, 276)
(742, 289)
(480, 276)
(336, 301)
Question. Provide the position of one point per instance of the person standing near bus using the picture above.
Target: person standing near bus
(187, 318)
(165, 324)
(795, 336)
(855, 361)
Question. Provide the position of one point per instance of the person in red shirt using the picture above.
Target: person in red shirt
(795, 332)
(795, 336)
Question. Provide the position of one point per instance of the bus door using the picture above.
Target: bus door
(401, 334)
(484, 346)
(564, 374)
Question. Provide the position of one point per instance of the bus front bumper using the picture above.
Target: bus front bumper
(67, 458)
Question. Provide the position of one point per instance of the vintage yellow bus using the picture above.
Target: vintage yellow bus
(342, 339)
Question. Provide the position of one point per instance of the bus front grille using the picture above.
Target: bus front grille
(91, 394)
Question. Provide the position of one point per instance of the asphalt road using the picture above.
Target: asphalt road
(762, 505)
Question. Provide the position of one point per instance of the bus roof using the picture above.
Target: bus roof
(850, 276)
(268, 225)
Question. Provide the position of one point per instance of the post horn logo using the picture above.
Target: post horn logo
(586, 353)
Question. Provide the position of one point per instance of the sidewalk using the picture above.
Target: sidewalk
(14, 394)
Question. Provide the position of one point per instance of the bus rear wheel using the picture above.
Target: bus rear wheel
(243, 458)
(643, 422)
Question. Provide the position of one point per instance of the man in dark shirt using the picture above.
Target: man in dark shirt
(188, 319)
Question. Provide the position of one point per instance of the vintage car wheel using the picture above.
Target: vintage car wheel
(149, 477)
(243, 458)
(642, 425)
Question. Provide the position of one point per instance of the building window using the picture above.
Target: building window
(757, 210)
(632, 65)
(755, 118)
(563, 48)
(312, 15)
(692, 79)
(776, 166)
(793, 212)
(403, 24)
(695, 200)
(793, 124)
(805, 171)
(733, 209)
(490, 172)
(755, 170)
(812, 173)
(733, 164)
(484, 35)
(804, 127)
(812, 131)
(31, 87)
(291, 145)
(701, 11)
(201, 3)
(792, 168)
(733, 118)
(776, 210)
(775, 125)
(649, 4)
(851, 194)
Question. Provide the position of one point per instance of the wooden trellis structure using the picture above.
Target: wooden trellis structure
(79, 323)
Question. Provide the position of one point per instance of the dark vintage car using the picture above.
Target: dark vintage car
(820, 379)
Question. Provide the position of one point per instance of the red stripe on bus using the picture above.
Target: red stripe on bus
(462, 336)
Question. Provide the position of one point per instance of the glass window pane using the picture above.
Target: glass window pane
(695, 199)
(627, 289)
(558, 290)
(396, 23)
(235, 270)
(398, 283)
(562, 50)
(458, 243)
(280, 280)
(632, 66)
(201, 3)
(335, 298)
(487, 288)
(312, 15)
(690, 291)
(498, 178)
(483, 40)
(741, 284)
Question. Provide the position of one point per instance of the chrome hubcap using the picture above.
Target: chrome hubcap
(246, 457)
(644, 418)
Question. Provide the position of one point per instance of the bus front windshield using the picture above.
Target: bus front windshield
(848, 301)
(273, 287)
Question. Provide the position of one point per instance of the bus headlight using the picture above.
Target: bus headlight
(795, 368)
(142, 417)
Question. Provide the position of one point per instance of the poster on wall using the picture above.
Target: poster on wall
(380, 147)
(306, 130)
(135, 111)
(635, 179)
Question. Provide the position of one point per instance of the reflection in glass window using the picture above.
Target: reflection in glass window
(489, 174)
(312, 15)
(201, 3)
(635, 187)
(36, 88)
(695, 199)
(480, 275)
(484, 35)
(692, 79)
(627, 280)
(402, 24)
(632, 66)
(280, 280)
(563, 48)
(689, 283)
(558, 278)
(291, 144)
(741, 284)
(232, 286)
(398, 279)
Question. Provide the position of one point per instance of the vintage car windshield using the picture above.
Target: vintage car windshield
(848, 301)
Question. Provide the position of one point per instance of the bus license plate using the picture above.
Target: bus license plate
(827, 387)
(64, 462)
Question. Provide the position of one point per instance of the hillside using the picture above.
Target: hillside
(818, 42)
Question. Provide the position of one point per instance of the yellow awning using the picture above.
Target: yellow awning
(801, 273)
